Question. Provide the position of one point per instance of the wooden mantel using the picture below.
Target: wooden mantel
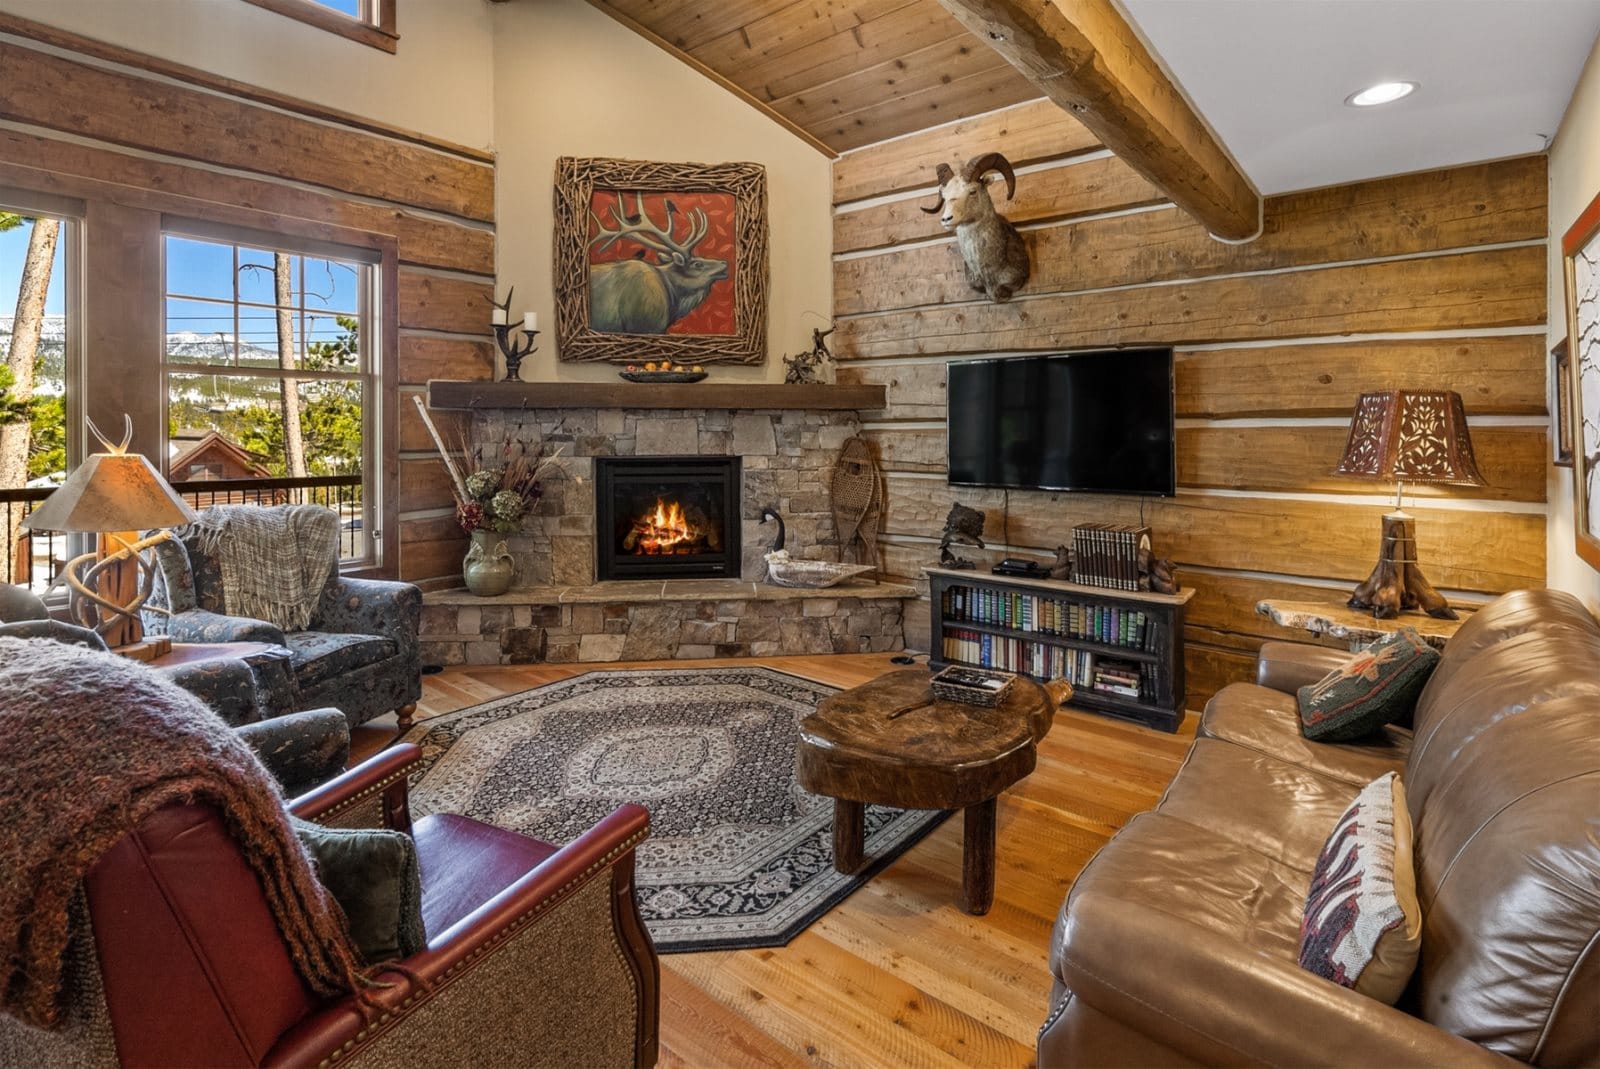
(687, 395)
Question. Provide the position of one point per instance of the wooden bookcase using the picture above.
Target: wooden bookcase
(1008, 613)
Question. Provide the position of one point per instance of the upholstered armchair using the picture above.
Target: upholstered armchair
(360, 653)
(536, 955)
(302, 750)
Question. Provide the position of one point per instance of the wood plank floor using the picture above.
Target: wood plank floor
(896, 975)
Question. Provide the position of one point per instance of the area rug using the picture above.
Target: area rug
(739, 855)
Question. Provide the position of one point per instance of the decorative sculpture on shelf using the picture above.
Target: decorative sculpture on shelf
(1156, 573)
(963, 526)
(513, 351)
(1062, 568)
(815, 366)
(784, 570)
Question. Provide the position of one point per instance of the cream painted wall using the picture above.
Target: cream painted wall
(439, 82)
(570, 81)
(1574, 182)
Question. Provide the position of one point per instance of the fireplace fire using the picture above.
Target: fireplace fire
(666, 517)
(668, 529)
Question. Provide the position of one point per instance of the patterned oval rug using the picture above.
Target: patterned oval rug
(739, 855)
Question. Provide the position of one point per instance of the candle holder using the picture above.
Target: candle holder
(513, 351)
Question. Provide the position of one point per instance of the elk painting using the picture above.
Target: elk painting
(661, 261)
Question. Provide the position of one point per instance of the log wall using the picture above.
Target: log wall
(89, 121)
(1417, 281)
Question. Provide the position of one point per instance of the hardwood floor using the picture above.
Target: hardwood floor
(896, 975)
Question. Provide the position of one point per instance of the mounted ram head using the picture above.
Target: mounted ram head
(994, 253)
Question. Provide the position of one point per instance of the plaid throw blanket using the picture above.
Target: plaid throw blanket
(90, 745)
(274, 561)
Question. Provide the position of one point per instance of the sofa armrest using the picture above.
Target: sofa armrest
(55, 631)
(372, 607)
(301, 750)
(554, 970)
(1218, 1002)
(370, 795)
(1288, 666)
(202, 625)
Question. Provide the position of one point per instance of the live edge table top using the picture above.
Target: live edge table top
(934, 754)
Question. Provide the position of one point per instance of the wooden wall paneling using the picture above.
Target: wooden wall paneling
(915, 391)
(445, 303)
(1104, 184)
(1461, 549)
(1207, 669)
(414, 433)
(424, 485)
(122, 312)
(1028, 133)
(428, 241)
(1494, 375)
(982, 89)
(1489, 204)
(423, 357)
(795, 49)
(45, 90)
(434, 546)
(1467, 291)
(688, 24)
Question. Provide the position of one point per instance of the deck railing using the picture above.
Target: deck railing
(33, 559)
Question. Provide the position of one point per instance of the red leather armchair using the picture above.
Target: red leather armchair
(536, 955)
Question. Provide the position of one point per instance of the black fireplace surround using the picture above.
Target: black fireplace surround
(666, 517)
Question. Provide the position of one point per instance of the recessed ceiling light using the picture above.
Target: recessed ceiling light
(1382, 93)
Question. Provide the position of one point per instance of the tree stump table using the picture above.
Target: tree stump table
(892, 742)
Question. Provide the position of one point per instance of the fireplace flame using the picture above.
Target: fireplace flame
(664, 528)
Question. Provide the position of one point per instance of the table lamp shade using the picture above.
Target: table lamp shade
(1413, 436)
(111, 492)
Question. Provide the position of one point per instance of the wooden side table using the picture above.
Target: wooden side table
(892, 742)
(1337, 620)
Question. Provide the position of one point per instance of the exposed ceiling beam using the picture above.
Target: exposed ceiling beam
(1083, 55)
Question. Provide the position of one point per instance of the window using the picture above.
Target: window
(35, 373)
(369, 21)
(270, 378)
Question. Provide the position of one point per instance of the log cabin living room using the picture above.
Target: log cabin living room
(526, 520)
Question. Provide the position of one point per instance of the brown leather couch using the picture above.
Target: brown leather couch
(1178, 943)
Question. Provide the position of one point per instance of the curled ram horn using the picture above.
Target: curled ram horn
(979, 166)
(944, 172)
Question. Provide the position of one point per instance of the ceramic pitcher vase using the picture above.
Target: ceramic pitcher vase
(488, 567)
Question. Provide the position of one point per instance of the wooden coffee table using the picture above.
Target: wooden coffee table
(891, 742)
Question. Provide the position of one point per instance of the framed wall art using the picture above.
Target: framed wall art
(661, 261)
(1580, 251)
(1560, 404)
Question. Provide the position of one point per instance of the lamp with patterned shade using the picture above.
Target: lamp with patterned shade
(1402, 436)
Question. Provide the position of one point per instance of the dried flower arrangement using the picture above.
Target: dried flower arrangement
(493, 494)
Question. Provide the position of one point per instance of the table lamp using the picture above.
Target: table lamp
(1402, 436)
(114, 494)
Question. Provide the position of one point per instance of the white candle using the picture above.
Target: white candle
(530, 322)
(498, 319)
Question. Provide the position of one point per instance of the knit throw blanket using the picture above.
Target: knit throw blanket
(90, 744)
(274, 561)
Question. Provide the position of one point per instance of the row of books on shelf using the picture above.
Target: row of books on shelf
(1107, 554)
(1106, 624)
(1082, 668)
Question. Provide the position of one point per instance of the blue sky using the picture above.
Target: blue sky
(200, 280)
(349, 7)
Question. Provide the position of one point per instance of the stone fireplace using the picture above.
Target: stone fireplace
(666, 518)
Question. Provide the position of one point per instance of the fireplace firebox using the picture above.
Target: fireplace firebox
(666, 517)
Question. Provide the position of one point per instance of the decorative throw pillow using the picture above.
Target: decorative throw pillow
(1378, 685)
(373, 874)
(1363, 924)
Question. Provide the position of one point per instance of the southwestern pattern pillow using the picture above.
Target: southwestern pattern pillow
(1362, 926)
(1378, 685)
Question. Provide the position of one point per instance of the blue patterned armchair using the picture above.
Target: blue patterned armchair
(302, 750)
(360, 653)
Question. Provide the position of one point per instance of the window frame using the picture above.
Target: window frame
(376, 27)
(375, 371)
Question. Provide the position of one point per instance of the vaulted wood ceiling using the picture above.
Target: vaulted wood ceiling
(847, 72)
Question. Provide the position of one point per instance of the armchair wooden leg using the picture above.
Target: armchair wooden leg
(405, 715)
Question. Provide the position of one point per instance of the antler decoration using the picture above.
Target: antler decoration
(127, 435)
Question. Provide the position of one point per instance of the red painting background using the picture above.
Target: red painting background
(714, 315)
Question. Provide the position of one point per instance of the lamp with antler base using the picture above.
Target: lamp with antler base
(1405, 436)
(115, 494)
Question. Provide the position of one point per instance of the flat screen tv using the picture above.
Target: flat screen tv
(1094, 421)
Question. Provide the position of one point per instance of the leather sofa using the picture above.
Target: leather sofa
(1178, 943)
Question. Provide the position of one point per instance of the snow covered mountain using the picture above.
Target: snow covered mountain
(182, 345)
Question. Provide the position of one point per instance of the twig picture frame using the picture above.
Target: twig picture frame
(660, 262)
(1580, 252)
